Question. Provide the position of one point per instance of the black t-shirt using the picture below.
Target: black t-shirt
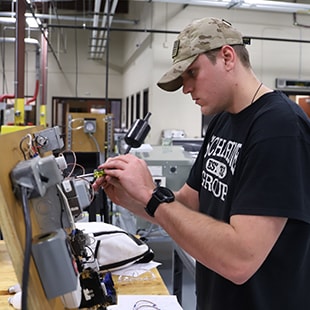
(257, 162)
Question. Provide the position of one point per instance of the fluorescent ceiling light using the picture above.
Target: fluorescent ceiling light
(276, 6)
(30, 20)
(33, 22)
(7, 20)
(264, 5)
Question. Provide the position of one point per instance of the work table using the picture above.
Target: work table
(154, 286)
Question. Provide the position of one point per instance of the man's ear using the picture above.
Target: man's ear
(229, 56)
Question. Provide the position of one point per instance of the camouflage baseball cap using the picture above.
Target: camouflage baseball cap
(200, 36)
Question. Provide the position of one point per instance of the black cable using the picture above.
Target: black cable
(27, 251)
(76, 58)
(76, 63)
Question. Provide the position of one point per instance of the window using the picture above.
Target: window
(138, 104)
(145, 102)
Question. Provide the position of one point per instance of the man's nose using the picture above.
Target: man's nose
(186, 88)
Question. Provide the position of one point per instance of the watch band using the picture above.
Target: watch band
(159, 195)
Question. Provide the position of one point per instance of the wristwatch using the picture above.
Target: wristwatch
(159, 195)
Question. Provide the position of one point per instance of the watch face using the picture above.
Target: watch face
(164, 194)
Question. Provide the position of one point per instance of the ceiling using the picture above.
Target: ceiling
(70, 5)
(98, 15)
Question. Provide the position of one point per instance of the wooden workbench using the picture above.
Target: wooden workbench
(13, 230)
(7, 278)
(154, 286)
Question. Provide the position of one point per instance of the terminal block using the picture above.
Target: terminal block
(36, 174)
(49, 139)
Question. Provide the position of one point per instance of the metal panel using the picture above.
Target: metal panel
(170, 162)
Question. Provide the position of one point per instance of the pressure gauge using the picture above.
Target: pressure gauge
(89, 125)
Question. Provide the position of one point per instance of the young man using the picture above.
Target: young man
(244, 212)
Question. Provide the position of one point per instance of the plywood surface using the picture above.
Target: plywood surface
(8, 277)
(78, 140)
(149, 283)
(141, 285)
(13, 230)
(12, 220)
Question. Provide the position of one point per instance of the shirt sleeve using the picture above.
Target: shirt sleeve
(273, 179)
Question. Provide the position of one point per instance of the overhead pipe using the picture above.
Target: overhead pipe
(43, 100)
(19, 87)
(42, 29)
(34, 98)
(111, 28)
(37, 86)
(109, 145)
(262, 5)
(169, 32)
(38, 50)
(6, 96)
(67, 18)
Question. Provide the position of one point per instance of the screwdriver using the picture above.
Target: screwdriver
(97, 173)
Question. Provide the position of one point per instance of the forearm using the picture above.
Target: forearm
(188, 197)
(183, 226)
(234, 250)
(133, 206)
(221, 247)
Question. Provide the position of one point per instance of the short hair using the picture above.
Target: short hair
(240, 50)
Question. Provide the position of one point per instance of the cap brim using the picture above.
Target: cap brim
(172, 80)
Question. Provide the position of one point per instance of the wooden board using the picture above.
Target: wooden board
(8, 277)
(78, 140)
(141, 285)
(13, 229)
(12, 221)
(148, 283)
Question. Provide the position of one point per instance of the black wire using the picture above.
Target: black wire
(76, 58)
(76, 62)
(27, 251)
(62, 209)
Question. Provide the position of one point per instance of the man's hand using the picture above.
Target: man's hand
(127, 181)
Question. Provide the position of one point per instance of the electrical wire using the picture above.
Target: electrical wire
(74, 164)
(95, 141)
(29, 145)
(66, 204)
(74, 120)
(27, 251)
